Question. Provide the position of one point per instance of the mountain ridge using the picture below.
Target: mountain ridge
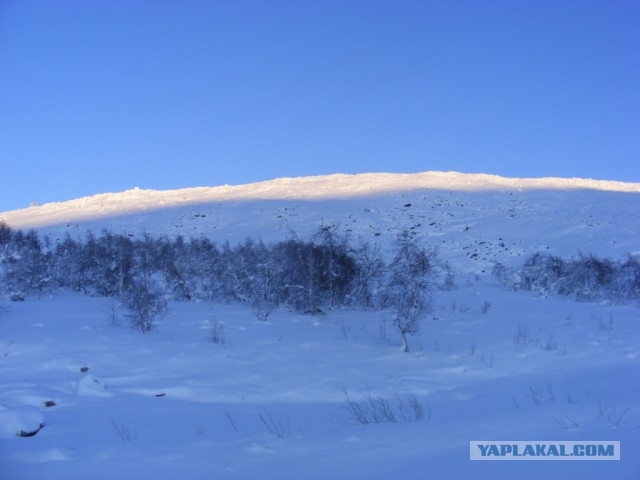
(324, 187)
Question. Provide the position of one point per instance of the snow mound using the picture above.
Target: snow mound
(20, 421)
(91, 386)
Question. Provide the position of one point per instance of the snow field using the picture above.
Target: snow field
(269, 402)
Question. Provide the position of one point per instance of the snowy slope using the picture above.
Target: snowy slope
(327, 187)
(472, 218)
(269, 402)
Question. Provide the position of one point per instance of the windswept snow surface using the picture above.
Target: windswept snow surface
(270, 401)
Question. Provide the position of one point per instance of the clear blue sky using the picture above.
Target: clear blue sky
(99, 96)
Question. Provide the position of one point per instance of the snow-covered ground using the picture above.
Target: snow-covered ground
(270, 402)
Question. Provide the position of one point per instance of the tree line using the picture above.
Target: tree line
(584, 278)
(310, 276)
(313, 275)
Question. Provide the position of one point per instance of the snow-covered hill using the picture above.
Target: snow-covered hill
(213, 392)
(473, 219)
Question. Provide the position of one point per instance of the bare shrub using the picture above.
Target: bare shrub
(449, 282)
(231, 421)
(123, 432)
(383, 331)
(610, 415)
(146, 304)
(112, 311)
(375, 409)
(277, 428)
(216, 333)
(485, 307)
(410, 409)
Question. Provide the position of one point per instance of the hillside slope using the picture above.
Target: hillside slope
(473, 219)
(214, 391)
